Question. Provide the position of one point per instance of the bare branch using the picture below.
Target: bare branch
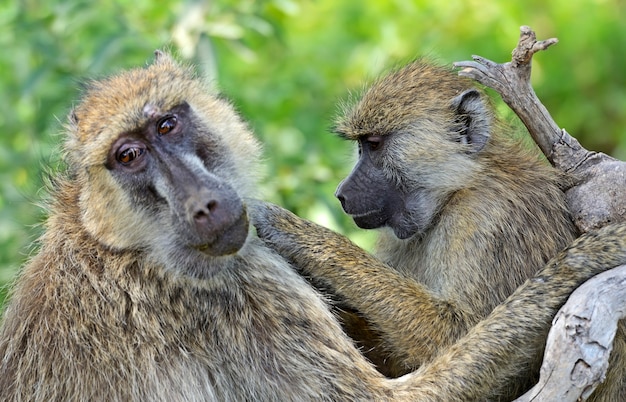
(512, 81)
(581, 340)
(598, 194)
(528, 46)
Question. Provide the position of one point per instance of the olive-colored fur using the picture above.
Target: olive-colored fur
(466, 212)
(143, 287)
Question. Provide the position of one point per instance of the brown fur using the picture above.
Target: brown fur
(116, 306)
(491, 360)
(498, 216)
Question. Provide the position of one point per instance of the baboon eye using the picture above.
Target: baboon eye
(373, 142)
(166, 124)
(128, 153)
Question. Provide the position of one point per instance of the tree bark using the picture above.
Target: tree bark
(597, 195)
(581, 340)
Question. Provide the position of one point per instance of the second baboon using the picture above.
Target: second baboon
(148, 284)
(463, 209)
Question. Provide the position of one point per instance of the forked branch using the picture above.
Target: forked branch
(598, 193)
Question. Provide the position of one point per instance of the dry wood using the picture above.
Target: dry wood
(581, 339)
(597, 195)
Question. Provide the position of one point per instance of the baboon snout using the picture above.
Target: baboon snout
(354, 199)
(341, 199)
(219, 220)
(369, 198)
(210, 211)
(202, 211)
(343, 194)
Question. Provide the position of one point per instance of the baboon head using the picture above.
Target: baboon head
(163, 166)
(420, 132)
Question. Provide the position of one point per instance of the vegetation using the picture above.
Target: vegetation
(286, 64)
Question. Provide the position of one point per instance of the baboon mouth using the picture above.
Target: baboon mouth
(202, 247)
(229, 240)
(370, 220)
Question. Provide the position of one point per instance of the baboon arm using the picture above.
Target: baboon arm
(485, 363)
(404, 311)
(489, 359)
(581, 340)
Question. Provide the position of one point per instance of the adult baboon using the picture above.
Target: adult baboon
(465, 211)
(149, 286)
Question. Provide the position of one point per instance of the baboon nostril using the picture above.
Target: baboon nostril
(211, 205)
(341, 199)
(203, 213)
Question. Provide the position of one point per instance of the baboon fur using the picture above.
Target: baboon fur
(484, 210)
(134, 294)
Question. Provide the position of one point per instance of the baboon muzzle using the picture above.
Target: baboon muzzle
(219, 220)
(211, 215)
(368, 196)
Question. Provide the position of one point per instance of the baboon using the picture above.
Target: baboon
(149, 283)
(464, 210)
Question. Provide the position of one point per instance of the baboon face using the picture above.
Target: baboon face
(420, 132)
(167, 165)
(163, 166)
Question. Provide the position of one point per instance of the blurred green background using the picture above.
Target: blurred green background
(286, 64)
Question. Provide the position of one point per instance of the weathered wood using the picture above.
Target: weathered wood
(597, 194)
(512, 81)
(581, 340)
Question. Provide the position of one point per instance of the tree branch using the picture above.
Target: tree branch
(581, 340)
(512, 81)
(598, 194)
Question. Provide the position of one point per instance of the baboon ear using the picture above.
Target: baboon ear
(473, 117)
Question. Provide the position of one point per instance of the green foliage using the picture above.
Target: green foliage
(286, 65)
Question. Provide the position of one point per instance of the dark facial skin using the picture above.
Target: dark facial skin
(369, 196)
(381, 192)
(167, 167)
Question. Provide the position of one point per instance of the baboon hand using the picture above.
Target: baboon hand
(270, 220)
(313, 249)
(607, 245)
(282, 230)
